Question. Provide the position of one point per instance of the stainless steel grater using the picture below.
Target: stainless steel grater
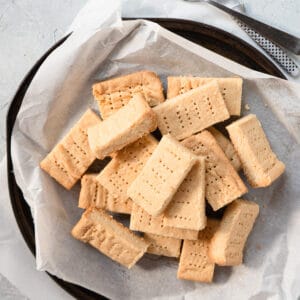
(278, 54)
(252, 27)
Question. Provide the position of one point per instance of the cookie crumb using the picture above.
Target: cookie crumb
(247, 107)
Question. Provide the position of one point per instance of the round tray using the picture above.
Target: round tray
(210, 37)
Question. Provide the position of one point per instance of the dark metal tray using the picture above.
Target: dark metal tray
(210, 37)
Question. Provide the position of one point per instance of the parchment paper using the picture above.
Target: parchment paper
(103, 47)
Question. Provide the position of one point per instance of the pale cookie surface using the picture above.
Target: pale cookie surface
(122, 170)
(194, 263)
(113, 94)
(223, 184)
(140, 220)
(227, 147)
(162, 174)
(187, 207)
(161, 245)
(192, 111)
(231, 89)
(259, 162)
(110, 237)
(72, 156)
(93, 194)
(122, 128)
(228, 242)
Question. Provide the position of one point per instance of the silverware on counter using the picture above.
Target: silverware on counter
(266, 36)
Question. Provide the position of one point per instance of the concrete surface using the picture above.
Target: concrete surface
(29, 27)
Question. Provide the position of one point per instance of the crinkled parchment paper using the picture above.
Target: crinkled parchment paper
(100, 47)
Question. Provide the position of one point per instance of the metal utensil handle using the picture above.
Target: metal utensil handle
(278, 36)
(273, 50)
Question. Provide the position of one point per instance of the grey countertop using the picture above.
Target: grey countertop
(29, 27)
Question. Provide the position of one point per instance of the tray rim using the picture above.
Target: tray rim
(22, 213)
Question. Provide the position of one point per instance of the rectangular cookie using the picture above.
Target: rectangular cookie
(187, 207)
(140, 220)
(194, 263)
(260, 164)
(93, 194)
(192, 111)
(72, 156)
(127, 163)
(162, 174)
(114, 93)
(110, 237)
(227, 245)
(122, 128)
(223, 183)
(227, 147)
(162, 245)
(231, 89)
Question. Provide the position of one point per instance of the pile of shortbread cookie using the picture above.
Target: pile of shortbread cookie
(164, 184)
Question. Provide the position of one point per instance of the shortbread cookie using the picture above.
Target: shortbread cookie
(162, 174)
(161, 245)
(122, 128)
(140, 220)
(112, 94)
(223, 184)
(192, 111)
(231, 89)
(127, 163)
(227, 147)
(259, 162)
(93, 194)
(109, 237)
(227, 245)
(187, 207)
(194, 262)
(72, 156)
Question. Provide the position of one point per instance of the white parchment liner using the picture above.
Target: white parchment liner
(100, 47)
